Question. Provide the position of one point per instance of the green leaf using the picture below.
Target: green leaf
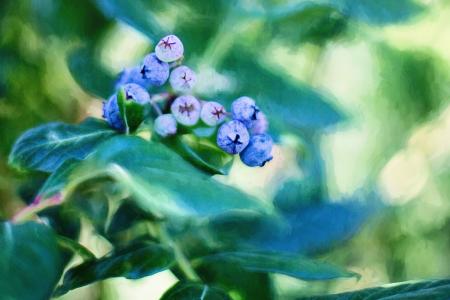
(316, 24)
(160, 181)
(131, 112)
(421, 290)
(84, 65)
(135, 14)
(378, 12)
(133, 262)
(280, 263)
(47, 147)
(30, 261)
(202, 154)
(194, 291)
(290, 106)
(74, 247)
(247, 285)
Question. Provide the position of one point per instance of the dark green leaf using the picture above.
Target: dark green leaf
(296, 193)
(134, 262)
(56, 182)
(194, 291)
(127, 215)
(315, 227)
(379, 12)
(161, 182)
(86, 69)
(30, 261)
(307, 229)
(281, 263)
(75, 247)
(47, 147)
(424, 290)
(232, 277)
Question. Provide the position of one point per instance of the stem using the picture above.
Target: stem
(156, 108)
(182, 260)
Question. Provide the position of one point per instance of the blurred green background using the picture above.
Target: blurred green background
(385, 67)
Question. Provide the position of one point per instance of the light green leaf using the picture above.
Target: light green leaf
(47, 147)
(202, 154)
(134, 13)
(289, 105)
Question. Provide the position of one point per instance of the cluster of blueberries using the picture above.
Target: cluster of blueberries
(245, 134)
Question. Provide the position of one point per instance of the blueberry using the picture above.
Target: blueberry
(165, 125)
(182, 79)
(186, 110)
(233, 137)
(260, 125)
(212, 113)
(169, 48)
(245, 110)
(136, 93)
(153, 70)
(132, 75)
(258, 151)
(111, 113)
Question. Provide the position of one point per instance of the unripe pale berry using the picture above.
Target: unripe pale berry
(233, 137)
(165, 125)
(155, 71)
(212, 113)
(136, 93)
(186, 110)
(258, 151)
(111, 113)
(169, 48)
(245, 110)
(260, 125)
(182, 79)
(132, 75)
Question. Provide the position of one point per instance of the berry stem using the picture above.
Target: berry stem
(176, 63)
(156, 108)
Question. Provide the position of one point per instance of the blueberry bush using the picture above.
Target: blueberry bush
(148, 174)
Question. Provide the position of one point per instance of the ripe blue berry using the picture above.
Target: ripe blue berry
(212, 113)
(165, 125)
(258, 151)
(186, 110)
(169, 48)
(245, 110)
(136, 93)
(182, 79)
(132, 75)
(233, 137)
(260, 125)
(154, 71)
(111, 113)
